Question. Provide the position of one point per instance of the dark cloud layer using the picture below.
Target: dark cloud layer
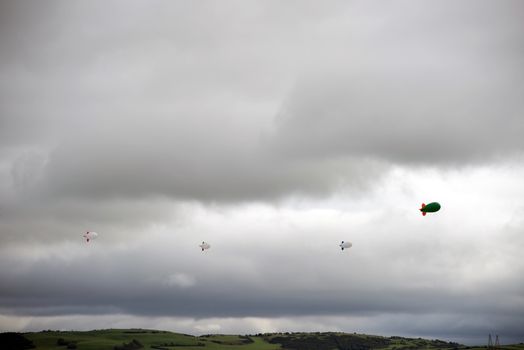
(147, 109)
(151, 105)
(138, 280)
(416, 89)
(410, 276)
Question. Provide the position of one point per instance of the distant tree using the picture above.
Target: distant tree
(15, 341)
(69, 344)
(134, 344)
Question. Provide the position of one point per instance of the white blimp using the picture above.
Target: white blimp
(343, 245)
(205, 246)
(90, 235)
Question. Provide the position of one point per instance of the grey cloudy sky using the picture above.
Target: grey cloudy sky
(273, 130)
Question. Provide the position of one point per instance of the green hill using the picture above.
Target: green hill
(131, 339)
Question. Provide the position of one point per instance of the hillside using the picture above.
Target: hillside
(131, 339)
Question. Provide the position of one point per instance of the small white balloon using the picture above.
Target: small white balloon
(343, 245)
(204, 246)
(90, 235)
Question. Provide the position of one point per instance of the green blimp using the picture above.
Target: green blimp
(429, 208)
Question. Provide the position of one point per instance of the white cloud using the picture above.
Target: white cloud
(180, 280)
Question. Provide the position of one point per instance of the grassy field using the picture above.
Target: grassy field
(150, 339)
(121, 339)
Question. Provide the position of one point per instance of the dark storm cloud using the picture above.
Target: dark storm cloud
(268, 268)
(416, 88)
(411, 285)
(156, 103)
(134, 281)
(409, 278)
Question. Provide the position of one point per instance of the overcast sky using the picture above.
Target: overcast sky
(272, 130)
